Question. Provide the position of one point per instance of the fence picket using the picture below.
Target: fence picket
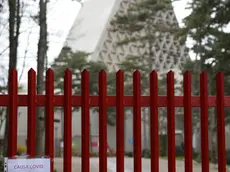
(102, 122)
(85, 125)
(120, 120)
(154, 121)
(220, 122)
(49, 134)
(120, 101)
(171, 122)
(31, 115)
(13, 114)
(204, 121)
(67, 121)
(187, 123)
(137, 121)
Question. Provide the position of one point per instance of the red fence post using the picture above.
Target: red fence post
(187, 123)
(67, 121)
(171, 122)
(220, 122)
(31, 122)
(137, 121)
(204, 121)
(85, 125)
(102, 122)
(154, 121)
(49, 135)
(13, 113)
(120, 120)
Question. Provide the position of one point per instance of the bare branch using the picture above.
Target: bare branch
(25, 54)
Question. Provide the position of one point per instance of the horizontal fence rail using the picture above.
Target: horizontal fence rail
(119, 101)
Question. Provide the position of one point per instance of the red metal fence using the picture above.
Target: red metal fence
(85, 101)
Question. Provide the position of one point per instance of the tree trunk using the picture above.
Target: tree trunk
(14, 27)
(41, 55)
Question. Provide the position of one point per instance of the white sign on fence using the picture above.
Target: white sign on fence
(28, 165)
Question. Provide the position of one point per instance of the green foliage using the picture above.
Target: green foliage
(77, 62)
(205, 26)
(143, 17)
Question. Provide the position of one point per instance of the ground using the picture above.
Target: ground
(94, 163)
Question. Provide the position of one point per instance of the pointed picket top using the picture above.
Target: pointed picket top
(13, 71)
(187, 75)
(170, 76)
(31, 70)
(170, 73)
(31, 74)
(102, 72)
(85, 71)
(137, 73)
(187, 72)
(50, 72)
(68, 72)
(219, 76)
(67, 78)
(119, 80)
(13, 76)
(119, 72)
(153, 73)
(85, 82)
(203, 74)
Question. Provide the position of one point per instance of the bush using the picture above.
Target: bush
(111, 154)
(94, 154)
(21, 150)
(228, 157)
(129, 154)
(179, 151)
(146, 153)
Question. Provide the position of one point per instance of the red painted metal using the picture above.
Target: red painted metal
(220, 122)
(67, 121)
(187, 123)
(85, 125)
(102, 122)
(171, 122)
(154, 122)
(31, 123)
(137, 121)
(120, 120)
(13, 113)
(13, 100)
(49, 134)
(204, 121)
(111, 101)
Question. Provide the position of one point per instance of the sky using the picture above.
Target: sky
(61, 16)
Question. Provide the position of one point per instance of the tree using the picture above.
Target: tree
(143, 24)
(3, 90)
(41, 56)
(77, 62)
(205, 26)
(15, 12)
(129, 66)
